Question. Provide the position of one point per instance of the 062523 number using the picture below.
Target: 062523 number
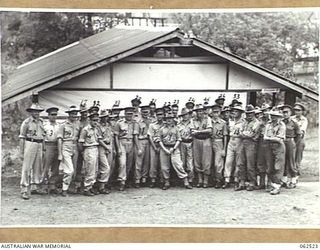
(309, 245)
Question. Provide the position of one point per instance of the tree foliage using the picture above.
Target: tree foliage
(26, 36)
(271, 40)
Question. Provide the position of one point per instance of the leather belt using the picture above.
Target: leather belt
(187, 141)
(169, 146)
(34, 140)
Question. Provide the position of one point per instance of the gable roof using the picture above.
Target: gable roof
(78, 55)
(107, 47)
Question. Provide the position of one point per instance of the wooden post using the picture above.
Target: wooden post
(289, 97)
(274, 99)
(253, 98)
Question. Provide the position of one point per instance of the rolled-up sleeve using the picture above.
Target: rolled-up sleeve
(23, 130)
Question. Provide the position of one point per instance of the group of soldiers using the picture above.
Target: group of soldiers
(203, 145)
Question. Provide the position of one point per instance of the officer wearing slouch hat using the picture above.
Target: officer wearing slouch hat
(153, 107)
(303, 124)
(170, 153)
(262, 147)
(293, 135)
(219, 144)
(234, 148)
(89, 141)
(275, 133)
(125, 145)
(250, 136)
(185, 127)
(220, 100)
(68, 135)
(51, 163)
(106, 148)
(83, 121)
(31, 149)
(202, 146)
(140, 132)
(135, 104)
(154, 139)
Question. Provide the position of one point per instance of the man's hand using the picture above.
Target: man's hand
(139, 152)
(119, 152)
(171, 150)
(60, 157)
(223, 153)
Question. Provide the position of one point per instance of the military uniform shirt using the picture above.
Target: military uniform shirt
(292, 128)
(90, 136)
(106, 132)
(169, 135)
(154, 130)
(69, 131)
(277, 130)
(141, 128)
(251, 129)
(203, 124)
(124, 129)
(262, 128)
(219, 129)
(32, 129)
(185, 129)
(51, 131)
(235, 127)
(302, 122)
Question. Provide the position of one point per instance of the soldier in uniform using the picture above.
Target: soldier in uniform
(250, 135)
(83, 121)
(190, 105)
(292, 136)
(225, 114)
(220, 101)
(51, 163)
(154, 139)
(262, 147)
(31, 149)
(274, 135)
(234, 149)
(125, 145)
(116, 110)
(140, 133)
(89, 140)
(219, 144)
(303, 124)
(68, 135)
(175, 108)
(185, 127)
(135, 104)
(170, 152)
(106, 148)
(152, 114)
(202, 146)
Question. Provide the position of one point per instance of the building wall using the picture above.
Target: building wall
(241, 78)
(162, 81)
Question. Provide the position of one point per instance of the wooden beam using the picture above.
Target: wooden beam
(111, 76)
(195, 59)
(156, 90)
(227, 76)
(170, 45)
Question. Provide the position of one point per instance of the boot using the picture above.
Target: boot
(186, 183)
(205, 181)
(166, 185)
(122, 186)
(152, 183)
(200, 180)
(262, 182)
